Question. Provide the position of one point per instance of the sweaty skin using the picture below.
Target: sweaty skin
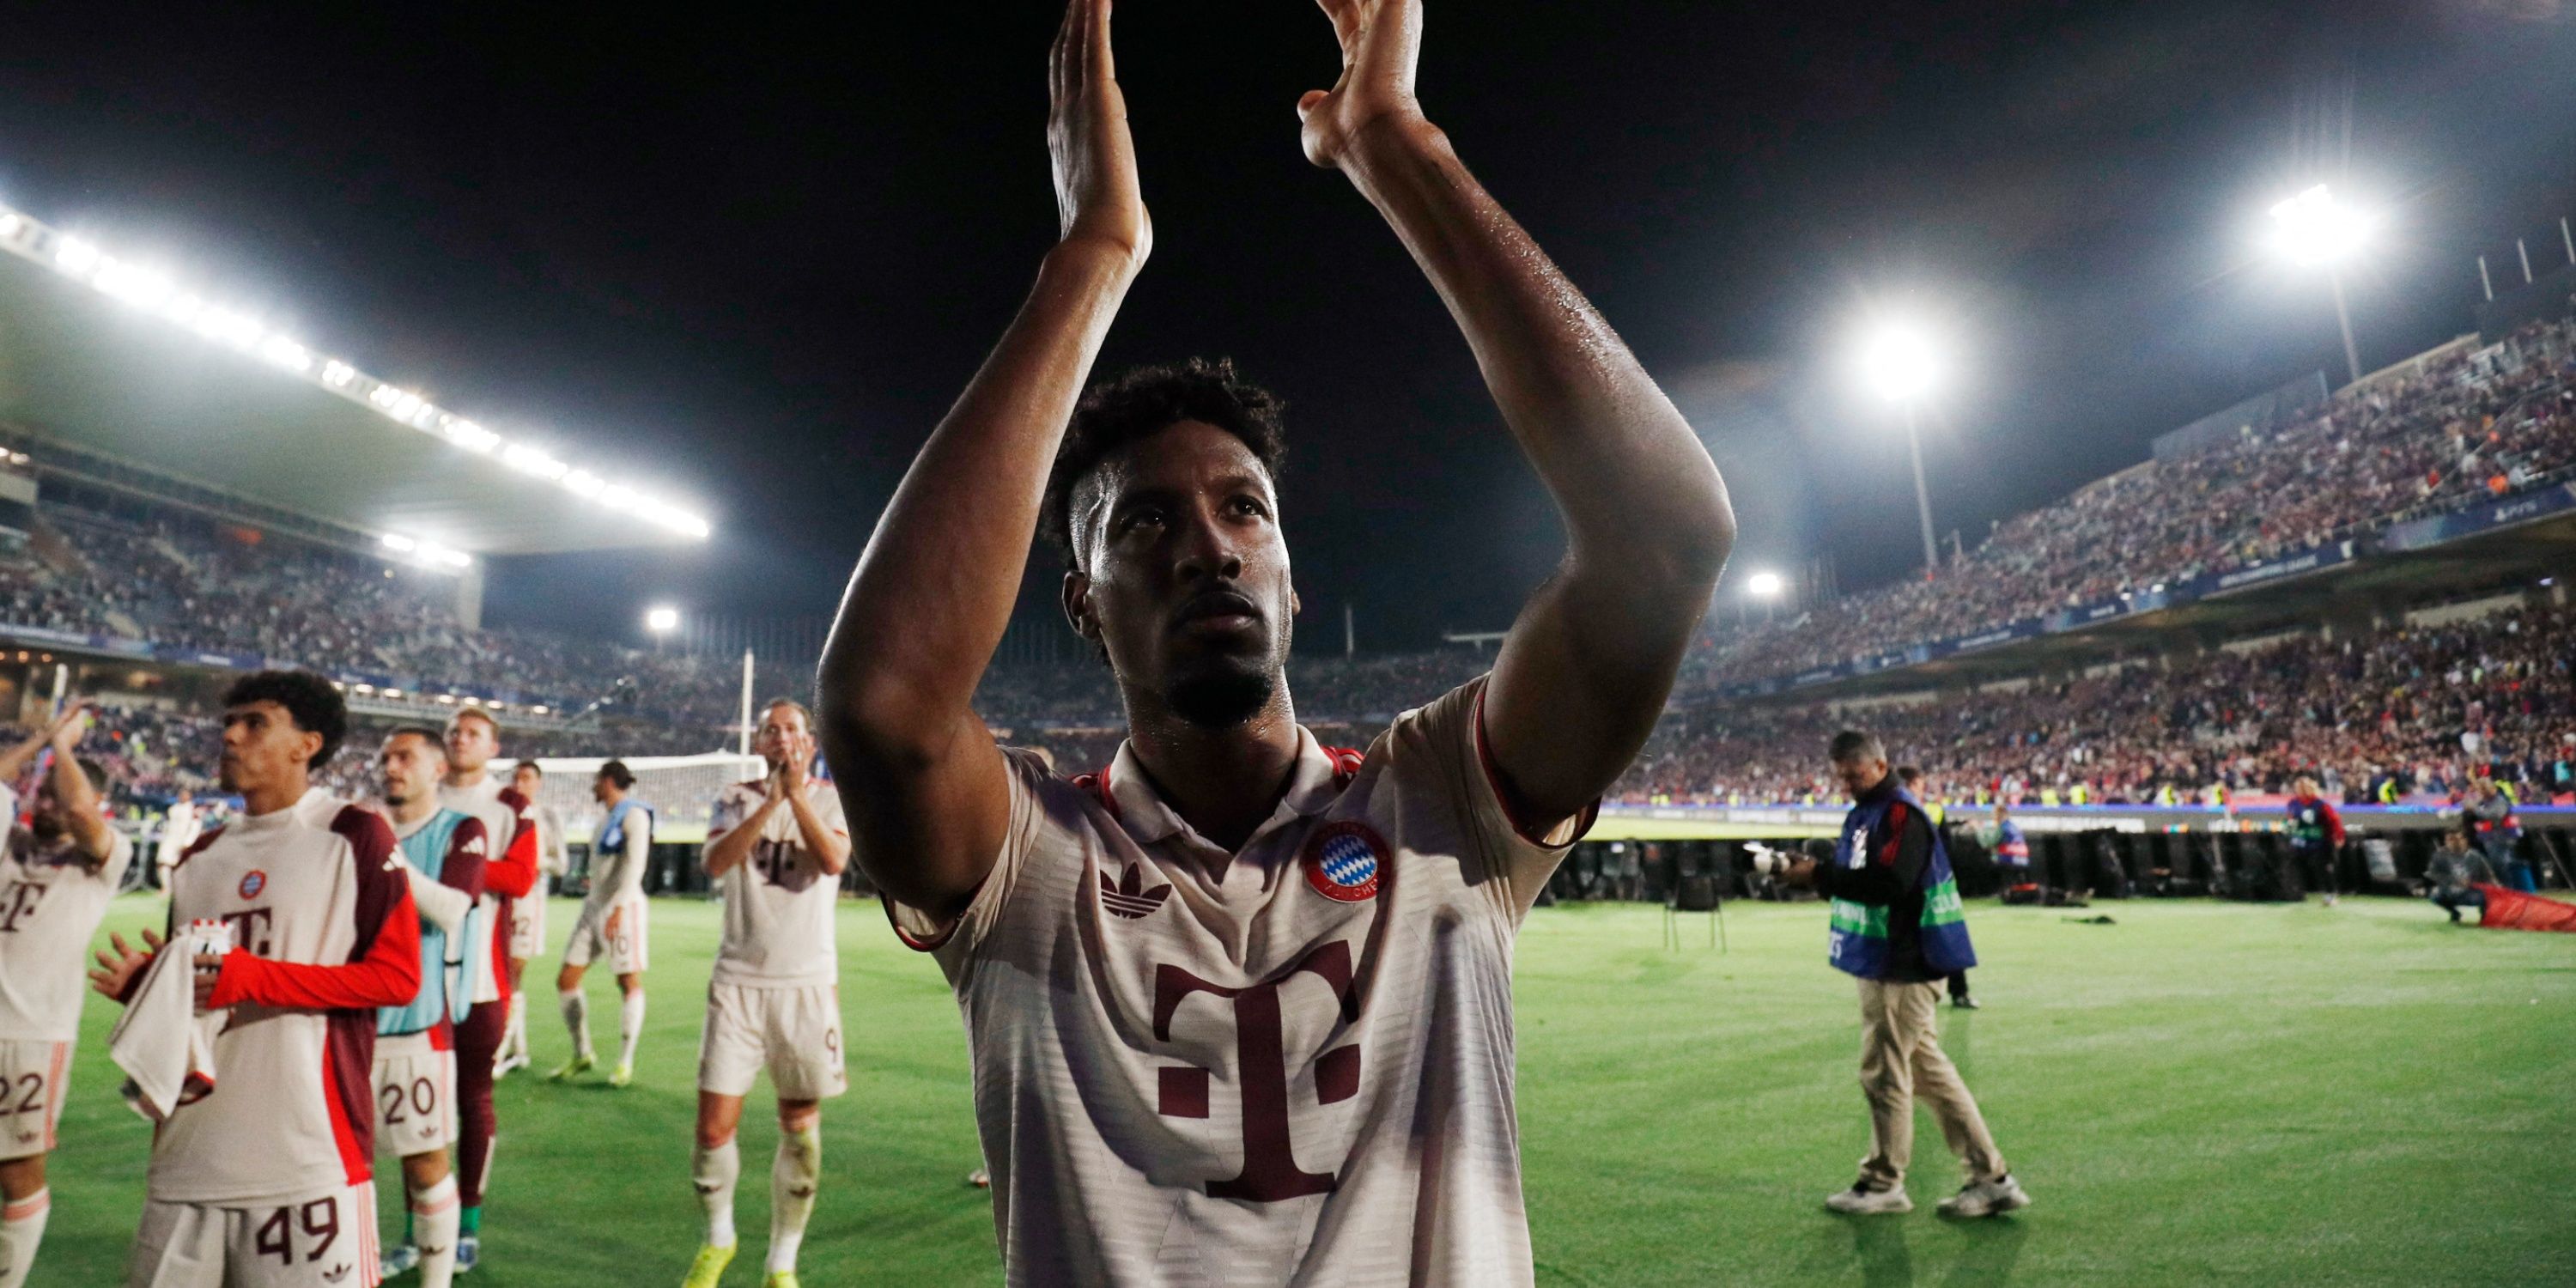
(1582, 675)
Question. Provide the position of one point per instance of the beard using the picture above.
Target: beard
(1222, 694)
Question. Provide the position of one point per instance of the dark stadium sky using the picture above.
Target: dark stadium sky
(760, 251)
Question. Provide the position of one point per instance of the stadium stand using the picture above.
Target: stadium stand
(2480, 423)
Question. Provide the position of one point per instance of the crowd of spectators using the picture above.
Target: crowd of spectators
(2482, 422)
(2406, 713)
(2415, 707)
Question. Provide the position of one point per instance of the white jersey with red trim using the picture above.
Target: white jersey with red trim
(1290, 1065)
(312, 885)
(778, 901)
(510, 827)
(52, 897)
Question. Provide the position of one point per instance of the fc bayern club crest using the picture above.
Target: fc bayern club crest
(253, 882)
(1343, 861)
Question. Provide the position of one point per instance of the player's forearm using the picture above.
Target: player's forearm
(727, 852)
(441, 905)
(630, 870)
(933, 593)
(14, 761)
(1637, 489)
(830, 849)
(389, 974)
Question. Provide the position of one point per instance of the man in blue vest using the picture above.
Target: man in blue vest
(1898, 926)
(442, 853)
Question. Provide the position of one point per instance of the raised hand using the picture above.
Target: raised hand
(116, 971)
(1381, 40)
(793, 771)
(1096, 193)
(69, 728)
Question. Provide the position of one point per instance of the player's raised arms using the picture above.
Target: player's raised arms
(920, 778)
(1585, 671)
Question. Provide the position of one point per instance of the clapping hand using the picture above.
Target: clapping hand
(1381, 41)
(1096, 193)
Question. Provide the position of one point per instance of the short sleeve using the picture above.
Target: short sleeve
(827, 810)
(955, 940)
(1512, 854)
(120, 854)
(726, 815)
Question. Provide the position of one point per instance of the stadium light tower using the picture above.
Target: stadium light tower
(1900, 365)
(2314, 230)
(661, 620)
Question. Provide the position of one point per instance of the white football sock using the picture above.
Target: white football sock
(576, 1013)
(22, 1227)
(792, 1181)
(630, 1025)
(714, 1172)
(514, 1038)
(434, 1220)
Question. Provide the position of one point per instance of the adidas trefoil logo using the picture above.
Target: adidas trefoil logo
(335, 1274)
(1127, 899)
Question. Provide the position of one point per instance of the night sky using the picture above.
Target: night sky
(757, 253)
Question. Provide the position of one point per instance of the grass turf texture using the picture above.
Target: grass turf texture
(2202, 1093)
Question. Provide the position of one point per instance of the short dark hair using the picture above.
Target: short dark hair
(1908, 774)
(529, 764)
(1146, 401)
(1852, 744)
(616, 772)
(310, 701)
(435, 737)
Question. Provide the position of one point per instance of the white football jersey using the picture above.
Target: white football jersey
(777, 902)
(1291, 1065)
(292, 1111)
(51, 901)
(511, 829)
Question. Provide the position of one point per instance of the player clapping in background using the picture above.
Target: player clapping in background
(528, 915)
(612, 925)
(442, 853)
(776, 848)
(473, 740)
(266, 1180)
(56, 877)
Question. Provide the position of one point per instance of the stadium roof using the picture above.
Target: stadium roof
(121, 360)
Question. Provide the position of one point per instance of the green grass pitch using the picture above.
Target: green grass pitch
(2201, 1093)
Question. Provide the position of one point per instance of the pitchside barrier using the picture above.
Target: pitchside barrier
(1650, 852)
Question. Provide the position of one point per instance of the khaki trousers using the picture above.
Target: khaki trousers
(1901, 1060)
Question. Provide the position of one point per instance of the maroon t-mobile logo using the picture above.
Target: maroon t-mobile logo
(1270, 1172)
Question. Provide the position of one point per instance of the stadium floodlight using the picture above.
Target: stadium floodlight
(399, 544)
(1900, 363)
(2313, 230)
(661, 619)
(75, 257)
(82, 260)
(1765, 585)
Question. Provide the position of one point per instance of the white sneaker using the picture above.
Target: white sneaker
(1861, 1200)
(508, 1063)
(1986, 1198)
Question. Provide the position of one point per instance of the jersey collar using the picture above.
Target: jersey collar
(1312, 788)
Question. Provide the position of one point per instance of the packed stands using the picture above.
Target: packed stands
(2361, 709)
(2483, 422)
(2421, 706)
